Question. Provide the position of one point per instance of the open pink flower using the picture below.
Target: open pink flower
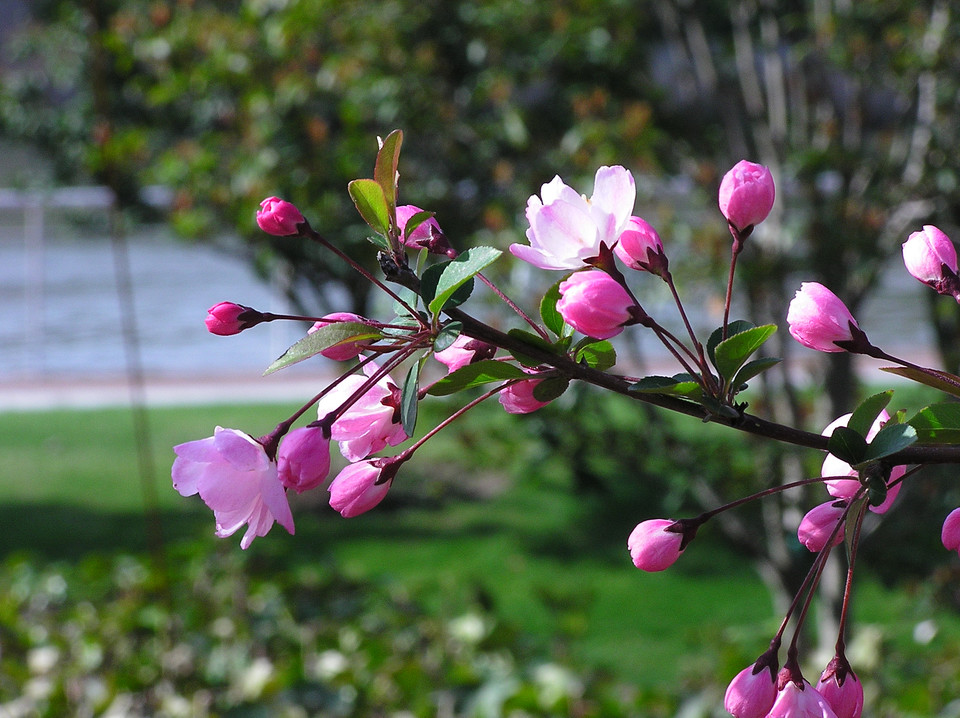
(234, 476)
(654, 548)
(926, 253)
(818, 318)
(845, 488)
(818, 525)
(800, 701)
(747, 193)
(566, 228)
(279, 217)
(355, 489)
(371, 422)
(752, 692)
(340, 352)
(303, 460)
(594, 303)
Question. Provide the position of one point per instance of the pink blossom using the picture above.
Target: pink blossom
(340, 352)
(926, 252)
(639, 245)
(424, 235)
(800, 701)
(752, 692)
(464, 350)
(566, 228)
(234, 476)
(279, 217)
(818, 525)
(818, 318)
(594, 303)
(746, 194)
(518, 398)
(303, 460)
(355, 489)
(846, 488)
(950, 534)
(841, 689)
(371, 422)
(228, 318)
(652, 547)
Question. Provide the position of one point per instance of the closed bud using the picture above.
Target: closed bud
(752, 692)
(950, 534)
(653, 547)
(303, 460)
(818, 319)
(594, 303)
(358, 488)
(640, 247)
(930, 257)
(340, 352)
(747, 193)
(228, 318)
(279, 217)
(818, 525)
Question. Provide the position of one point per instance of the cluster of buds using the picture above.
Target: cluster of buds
(245, 480)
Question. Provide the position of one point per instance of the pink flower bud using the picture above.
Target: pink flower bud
(817, 318)
(355, 489)
(303, 460)
(652, 547)
(746, 194)
(925, 254)
(519, 399)
(818, 525)
(464, 350)
(800, 701)
(752, 692)
(950, 534)
(841, 689)
(340, 352)
(279, 217)
(427, 235)
(594, 303)
(639, 247)
(227, 318)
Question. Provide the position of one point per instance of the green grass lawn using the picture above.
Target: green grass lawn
(529, 551)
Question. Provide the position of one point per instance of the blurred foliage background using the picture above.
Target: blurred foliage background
(852, 104)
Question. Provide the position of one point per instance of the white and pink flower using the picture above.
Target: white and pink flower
(236, 479)
(566, 228)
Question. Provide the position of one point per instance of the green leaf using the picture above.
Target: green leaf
(323, 338)
(548, 310)
(675, 386)
(731, 353)
(938, 423)
(598, 355)
(735, 327)
(867, 413)
(476, 374)
(461, 270)
(409, 399)
(891, 439)
(550, 389)
(431, 278)
(385, 171)
(752, 369)
(534, 340)
(371, 203)
(942, 380)
(847, 445)
(447, 335)
(415, 221)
